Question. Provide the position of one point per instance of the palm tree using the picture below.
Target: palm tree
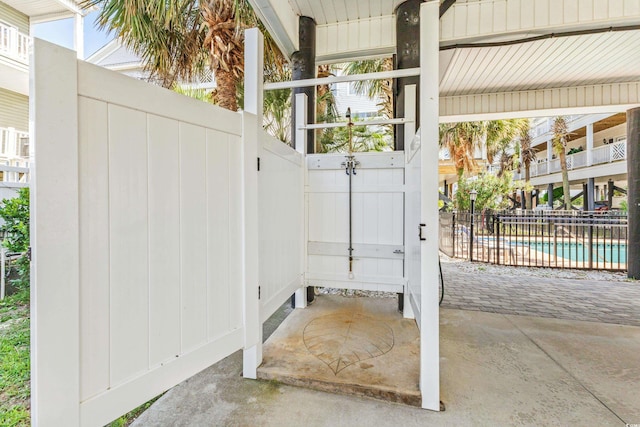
(560, 135)
(167, 36)
(374, 89)
(528, 155)
(176, 37)
(465, 138)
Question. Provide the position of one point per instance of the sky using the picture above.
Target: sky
(61, 32)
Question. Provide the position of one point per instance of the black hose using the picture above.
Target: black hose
(441, 282)
(542, 37)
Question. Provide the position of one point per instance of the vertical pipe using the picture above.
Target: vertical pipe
(473, 203)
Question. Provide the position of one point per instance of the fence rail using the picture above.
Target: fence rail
(559, 239)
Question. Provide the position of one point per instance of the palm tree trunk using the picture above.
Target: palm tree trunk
(227, 83)
(565, 179)
(527, 179)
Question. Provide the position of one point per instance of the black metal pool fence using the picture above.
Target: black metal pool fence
(559, 239)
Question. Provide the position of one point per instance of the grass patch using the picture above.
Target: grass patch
(14, 360)
(15, 366)
(129, 418)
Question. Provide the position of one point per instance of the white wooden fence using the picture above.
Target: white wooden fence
(281, 228)
(144, 239)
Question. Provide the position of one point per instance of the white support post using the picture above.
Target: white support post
(252, 127)
(429, 119)
(549, 154)
(410, 92)
(55, 236)
(301, 122)
(590, 144)
(78, 35)
(301, 147)
(409, 114)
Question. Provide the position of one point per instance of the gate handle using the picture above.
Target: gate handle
(420, 232)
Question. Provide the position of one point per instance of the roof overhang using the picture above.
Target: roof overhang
(46, 10)
(583, 57)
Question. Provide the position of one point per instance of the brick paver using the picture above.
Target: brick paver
(525, 294)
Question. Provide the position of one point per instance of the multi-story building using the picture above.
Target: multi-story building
(16, 20)
(596, 156)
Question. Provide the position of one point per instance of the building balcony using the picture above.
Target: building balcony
(600, 155)
(14, 144)
(14, 60)
(14, 44)
(14, 158)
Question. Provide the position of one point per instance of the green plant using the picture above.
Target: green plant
(624, 207)
(492, 191)
(15, 213)
(14, 360)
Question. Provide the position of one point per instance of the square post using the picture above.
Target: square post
(55, 237)
(78, 35)
(429, 120)
(251, 129)
(300, 296)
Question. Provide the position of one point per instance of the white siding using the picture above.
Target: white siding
(9, 15)
(14, 110)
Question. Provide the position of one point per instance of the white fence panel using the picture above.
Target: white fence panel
(281, 208)
(413, 197)
(377, 222)
(137, 210)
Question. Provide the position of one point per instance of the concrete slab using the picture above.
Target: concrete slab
(354, 345)
(604, 358)
(495, 370)
(496, 375)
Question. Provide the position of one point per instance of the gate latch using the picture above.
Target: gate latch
(420, 232)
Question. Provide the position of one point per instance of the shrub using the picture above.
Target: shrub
(15, 213)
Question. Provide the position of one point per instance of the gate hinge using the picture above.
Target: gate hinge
(258, 164)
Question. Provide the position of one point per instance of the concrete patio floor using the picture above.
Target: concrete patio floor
(356, 346)
(496, 369)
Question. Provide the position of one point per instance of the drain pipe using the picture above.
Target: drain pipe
(350, 169)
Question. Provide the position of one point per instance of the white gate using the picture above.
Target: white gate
(373, 227)
(136, 235)
(160, 245)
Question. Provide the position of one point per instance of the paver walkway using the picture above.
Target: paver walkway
(527, 294)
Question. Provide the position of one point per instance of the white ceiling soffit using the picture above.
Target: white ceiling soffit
(360, 28)
(45, 10)
(559, 62)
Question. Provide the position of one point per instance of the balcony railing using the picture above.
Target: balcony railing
(14, 44)
(600, 155)
(14, 144)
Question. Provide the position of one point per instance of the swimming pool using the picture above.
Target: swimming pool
(576, 251)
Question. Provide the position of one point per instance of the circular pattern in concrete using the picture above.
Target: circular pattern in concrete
(339, 340)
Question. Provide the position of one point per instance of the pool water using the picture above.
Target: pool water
(576, 251)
